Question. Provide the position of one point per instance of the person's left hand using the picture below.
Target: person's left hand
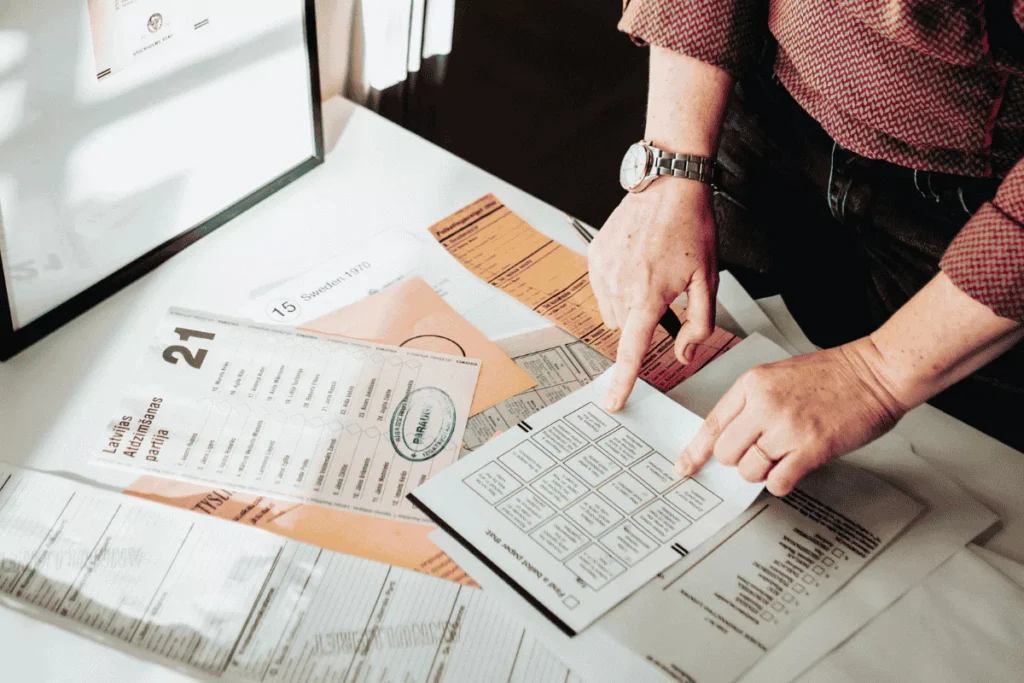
(782, 420)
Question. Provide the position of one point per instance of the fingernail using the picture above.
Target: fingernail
(683, 466)
(612, 403)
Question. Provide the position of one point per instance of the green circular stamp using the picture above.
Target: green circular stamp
(423, 423)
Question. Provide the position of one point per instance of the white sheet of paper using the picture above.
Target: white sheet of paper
(992, 472)
(298, 415)
(593, 653)
(960, 623)
(965, 622)
(388, 258)
(579, 508)
(559, 363)
(220, 601)
(746, 313)
(1010, 569)
(780, 317)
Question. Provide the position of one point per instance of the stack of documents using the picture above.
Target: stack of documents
(220, 601)
(985, 639)
(359, 459)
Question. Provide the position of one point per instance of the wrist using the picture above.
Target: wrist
(677, 190)
(937, 338)
(887, 382)
(697, 145)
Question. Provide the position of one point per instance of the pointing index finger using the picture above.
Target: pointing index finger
(633, 345)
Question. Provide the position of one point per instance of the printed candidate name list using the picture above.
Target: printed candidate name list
(305, 416)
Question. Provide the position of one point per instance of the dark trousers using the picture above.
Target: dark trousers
(847, 240)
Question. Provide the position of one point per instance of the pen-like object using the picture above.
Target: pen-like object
(670, 321)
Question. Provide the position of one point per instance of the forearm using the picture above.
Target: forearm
(686, 102)
(939, 337)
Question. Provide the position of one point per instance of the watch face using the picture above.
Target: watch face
(634, 166)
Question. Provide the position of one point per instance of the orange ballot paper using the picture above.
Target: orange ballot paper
(391, 541)
(412, 315)
(503, 250)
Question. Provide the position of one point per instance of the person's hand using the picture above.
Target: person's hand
(656, 245)
(782, 420)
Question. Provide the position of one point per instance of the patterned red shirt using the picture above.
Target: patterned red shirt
(929, 84)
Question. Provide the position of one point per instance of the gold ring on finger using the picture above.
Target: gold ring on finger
(761, 454)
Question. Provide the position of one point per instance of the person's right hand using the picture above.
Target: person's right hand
(656, 245)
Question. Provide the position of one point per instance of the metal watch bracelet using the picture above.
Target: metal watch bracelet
(688, 166)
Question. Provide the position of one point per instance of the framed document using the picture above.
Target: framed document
(131, 128)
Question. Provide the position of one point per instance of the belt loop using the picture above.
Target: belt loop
(831, 173)
(935, 196)
(917, 186)
(836, 204)
(963, 202)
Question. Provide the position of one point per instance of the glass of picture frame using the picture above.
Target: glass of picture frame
(131, 128)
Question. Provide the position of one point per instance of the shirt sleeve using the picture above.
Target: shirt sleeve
(728, 34)
(986, 258)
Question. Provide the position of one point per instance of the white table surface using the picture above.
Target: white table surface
(377, 177)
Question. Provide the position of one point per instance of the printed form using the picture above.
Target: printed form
(765, 573)
(558, 362)
(220, 601)
(302, 416)
(577, 508)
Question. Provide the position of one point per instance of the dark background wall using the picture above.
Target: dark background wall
(544, 94)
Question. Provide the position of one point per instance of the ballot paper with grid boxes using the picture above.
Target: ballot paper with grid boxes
(577, 507)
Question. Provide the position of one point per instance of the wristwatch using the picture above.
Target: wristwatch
(644, 162)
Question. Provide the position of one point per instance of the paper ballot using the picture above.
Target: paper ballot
(559, 364)
(221, 601)
(302, 416)
(577, 508)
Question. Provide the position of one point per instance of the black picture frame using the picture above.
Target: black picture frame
(14, 341)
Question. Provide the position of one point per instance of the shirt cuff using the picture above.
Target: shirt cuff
(727, 34)
(986, 259)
